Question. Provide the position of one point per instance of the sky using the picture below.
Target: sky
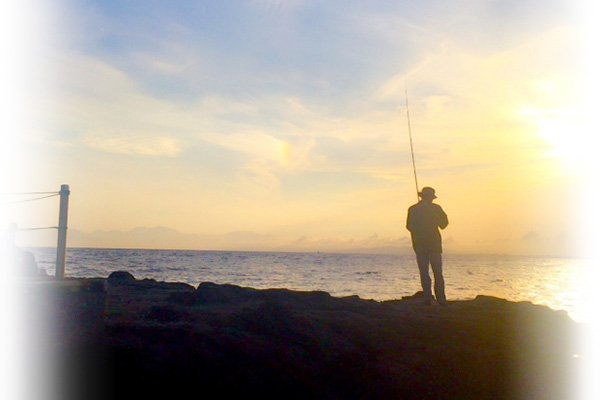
(283, 124)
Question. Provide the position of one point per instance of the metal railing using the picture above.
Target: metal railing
(61, 245)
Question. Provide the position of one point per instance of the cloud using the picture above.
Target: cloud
(100, 107)
(278, 7)
(173, 63)
(255, 144)
(257, 172)
(124, 144)
(105, 108)
(464, 102)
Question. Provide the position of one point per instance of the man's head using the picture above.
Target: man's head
(428, 193)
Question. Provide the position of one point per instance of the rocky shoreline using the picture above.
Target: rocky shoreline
(159, 337)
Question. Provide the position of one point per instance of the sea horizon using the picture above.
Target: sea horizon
(388, 250)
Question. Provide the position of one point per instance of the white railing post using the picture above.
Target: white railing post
(61, 247)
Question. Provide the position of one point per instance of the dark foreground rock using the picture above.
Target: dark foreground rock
(171, 339)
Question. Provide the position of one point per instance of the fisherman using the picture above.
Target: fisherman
(423, 221)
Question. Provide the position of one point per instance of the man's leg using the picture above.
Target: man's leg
(439, 286)
(423, 263)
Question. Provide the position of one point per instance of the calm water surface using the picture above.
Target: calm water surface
(553, 282)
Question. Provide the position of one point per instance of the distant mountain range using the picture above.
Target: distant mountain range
(532, 243)
(167, 238)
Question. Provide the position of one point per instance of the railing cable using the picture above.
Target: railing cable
(36, 229)
(27, 200)
(25, 193)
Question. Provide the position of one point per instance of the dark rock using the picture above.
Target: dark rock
(279, 343)
(184, 298)
(120, 277)
(210, 293)
(417, 296)
(166, 314)
(270, 318)
(297, 299)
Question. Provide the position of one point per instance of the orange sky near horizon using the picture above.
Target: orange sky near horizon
(301, 137)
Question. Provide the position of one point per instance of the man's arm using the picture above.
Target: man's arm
(443, 218)
(408, 221)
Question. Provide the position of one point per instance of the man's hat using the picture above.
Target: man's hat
(428, 192)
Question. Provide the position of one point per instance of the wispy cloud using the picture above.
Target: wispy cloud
(297, 109)
(122, 143)
(278, 6)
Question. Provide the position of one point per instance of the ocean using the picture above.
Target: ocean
(558, 283)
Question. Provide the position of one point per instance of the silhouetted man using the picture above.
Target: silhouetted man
(423, 221)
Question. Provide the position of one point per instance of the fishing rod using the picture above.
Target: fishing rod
(412, 151)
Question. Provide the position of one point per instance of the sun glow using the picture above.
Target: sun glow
(562, 134)
(563, 137)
